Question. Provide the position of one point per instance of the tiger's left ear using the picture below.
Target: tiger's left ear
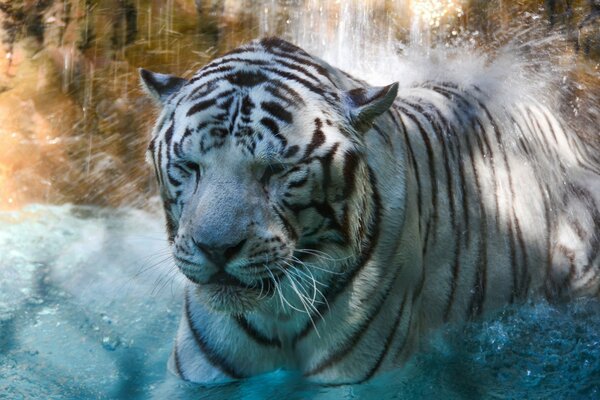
(160, 86)
(366, 104)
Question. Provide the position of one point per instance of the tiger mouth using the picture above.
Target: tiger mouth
(225, 280)
(222, 278)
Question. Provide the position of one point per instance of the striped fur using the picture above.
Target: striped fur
(325, 229)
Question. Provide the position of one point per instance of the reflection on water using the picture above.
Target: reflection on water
(74, 124)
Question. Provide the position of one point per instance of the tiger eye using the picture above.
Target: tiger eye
(270, 171)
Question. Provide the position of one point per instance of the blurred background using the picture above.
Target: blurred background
(74, 123)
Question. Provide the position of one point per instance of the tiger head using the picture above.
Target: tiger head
(262, 172)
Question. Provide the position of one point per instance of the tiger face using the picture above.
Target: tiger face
(259, 175)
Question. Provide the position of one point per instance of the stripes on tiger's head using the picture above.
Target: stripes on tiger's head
(260, 163)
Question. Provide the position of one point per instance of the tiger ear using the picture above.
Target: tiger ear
(160, 86)
(366, 104)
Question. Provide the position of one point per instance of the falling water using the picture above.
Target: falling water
(366, 37)
(342, 33)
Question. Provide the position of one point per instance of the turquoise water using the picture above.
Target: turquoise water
(89, 304)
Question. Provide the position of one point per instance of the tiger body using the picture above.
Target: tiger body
(325, 227)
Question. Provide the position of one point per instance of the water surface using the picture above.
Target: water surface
(89, 305)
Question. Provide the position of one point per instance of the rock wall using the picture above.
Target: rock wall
(74, 124)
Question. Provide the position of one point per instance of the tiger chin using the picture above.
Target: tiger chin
(325, 226)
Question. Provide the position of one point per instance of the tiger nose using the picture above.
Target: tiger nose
(219, 255)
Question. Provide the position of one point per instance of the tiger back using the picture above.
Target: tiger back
(324, 226)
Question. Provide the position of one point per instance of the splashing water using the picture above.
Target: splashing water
(89, 306)
(413, 41)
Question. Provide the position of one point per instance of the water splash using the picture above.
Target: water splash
(80, 318)
(506, 49)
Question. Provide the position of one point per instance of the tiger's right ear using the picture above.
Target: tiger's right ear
(160, 86)
(365, 104)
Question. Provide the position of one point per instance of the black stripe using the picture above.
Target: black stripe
(159, 164)
(297, 67)
(201, 106)
(214, 358)
(439, 133)
(518, 284)
(478, 296)
(411, 156)
(291, 151)
(288, 226)
(340, 353)
(388, 343)
(247, 105)
(477, 300)
(351, 162)
(253, 333)
(448, 132)
(234, 115)
(326, 168)
(370, 243)
(273, 43)
(152, 149)
(246, 78)
(298, 56)
(275, 87)
(307, 62)
(575, 225)
(177, 150)
(298, 183)
(172, 180)
(318, 138)
(489, 160)
(227, 64)
(465, 111)
(203, 90)
(383, 135)
(549, 126)
(273, 128)
(226, 104)
(152, 145)
(546, 201)
(170, 224)
(330, 97)
(205, 72)
(277, 111)
(430, 163)
(169, 134)
(400, 348)
(219, 133)
(239, 60)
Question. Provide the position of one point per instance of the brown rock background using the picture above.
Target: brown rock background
(74, 124)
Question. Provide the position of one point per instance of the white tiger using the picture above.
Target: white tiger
(325, 226)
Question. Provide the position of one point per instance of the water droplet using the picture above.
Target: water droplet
(110, 343)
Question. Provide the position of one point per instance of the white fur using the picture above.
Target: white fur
(520, 205)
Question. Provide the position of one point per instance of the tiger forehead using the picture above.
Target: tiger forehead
(263, 121)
